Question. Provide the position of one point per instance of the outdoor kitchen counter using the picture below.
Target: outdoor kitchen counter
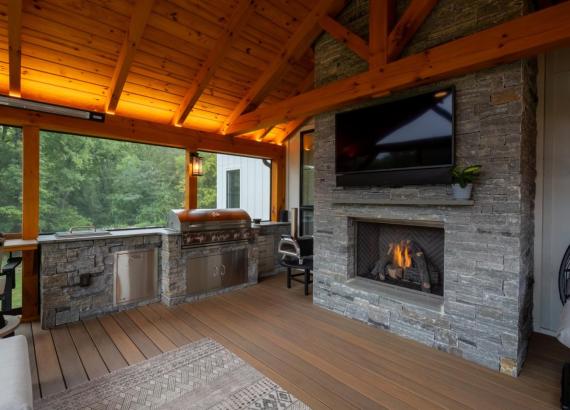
(121, 233)
(65, 261)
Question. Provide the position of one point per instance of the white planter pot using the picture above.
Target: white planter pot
(462, 193)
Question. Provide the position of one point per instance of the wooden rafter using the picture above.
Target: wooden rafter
(293, 50)
(381, 19)
(408, 25)
(142, 11)
(15, 47)
(344, 35)
(306, 85)
(216, 56)
(519, 38)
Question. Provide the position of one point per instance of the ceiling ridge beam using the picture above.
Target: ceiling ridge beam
(380, 22)
(407, 26)
(521, 37)
(15, 47)
(297, 45)
(137, 25)
(340, 33)
(238, 21)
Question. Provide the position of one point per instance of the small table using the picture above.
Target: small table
(12, 322)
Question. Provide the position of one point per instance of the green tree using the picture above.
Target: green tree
(10, 179)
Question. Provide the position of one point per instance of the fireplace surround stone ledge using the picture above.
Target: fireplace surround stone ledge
(433, 303)
(405, 202)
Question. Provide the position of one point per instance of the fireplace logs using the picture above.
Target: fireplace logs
(405, 261)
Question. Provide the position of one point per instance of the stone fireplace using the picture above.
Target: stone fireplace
(400, 254)
(478, 253)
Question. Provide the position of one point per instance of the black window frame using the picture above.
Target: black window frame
(304, 208)
(228, 187)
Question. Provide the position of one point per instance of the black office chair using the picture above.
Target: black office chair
(8, 273)
(564, 290)
(297, 254)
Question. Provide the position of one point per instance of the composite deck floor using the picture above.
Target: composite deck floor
(326, 360)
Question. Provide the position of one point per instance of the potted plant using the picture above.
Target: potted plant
(462, 180)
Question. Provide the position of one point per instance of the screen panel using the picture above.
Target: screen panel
(416, 132)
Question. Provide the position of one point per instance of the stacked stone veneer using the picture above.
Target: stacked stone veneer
(62, 299)
(485, 314)
(64, 261)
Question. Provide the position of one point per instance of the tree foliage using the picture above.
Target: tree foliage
(98, 182)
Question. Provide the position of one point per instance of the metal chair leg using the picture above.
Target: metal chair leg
(289, 278)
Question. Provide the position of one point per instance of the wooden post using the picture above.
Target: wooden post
(381, 20)
(30, 220)
(277, 187)
(191, 184)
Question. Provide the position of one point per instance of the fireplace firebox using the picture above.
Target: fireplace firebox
(401, 254)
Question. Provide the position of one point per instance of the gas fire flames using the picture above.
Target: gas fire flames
(401, 255)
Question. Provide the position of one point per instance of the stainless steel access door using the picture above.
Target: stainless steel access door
(135, 276)
(216, 271)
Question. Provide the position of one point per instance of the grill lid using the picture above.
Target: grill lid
(198, 219)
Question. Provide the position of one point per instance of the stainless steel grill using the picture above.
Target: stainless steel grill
(201, 227)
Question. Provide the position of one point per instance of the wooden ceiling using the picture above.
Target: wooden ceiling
(192, 63)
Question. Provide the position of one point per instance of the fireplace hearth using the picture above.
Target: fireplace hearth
(401, 254)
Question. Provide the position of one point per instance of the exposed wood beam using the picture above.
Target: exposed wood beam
(519, 38)
(344, 35)
(306, 85)
(146, 132)
(30, 218)
(293, 50)
(291, 128)
(139, 18)
(237, 22)
(408, 25)
(15, 47)
(381, 19)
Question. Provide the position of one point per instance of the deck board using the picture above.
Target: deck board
(90, 357)
(109, 352)
(71, 366)
(49, 372)
(326, 360)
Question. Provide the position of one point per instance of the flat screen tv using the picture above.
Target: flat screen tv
(403, 142)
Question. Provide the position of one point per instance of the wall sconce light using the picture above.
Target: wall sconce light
(197, 165)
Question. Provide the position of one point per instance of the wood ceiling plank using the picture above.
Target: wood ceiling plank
(126, 57)
(65, 72)
(57, 33)
(15, 46)
(381, 20)
(295, 47)
(519, 38)
(344, 35)
(412, 19)
(61, 48)
(91, 10)
(238, 20)
(54, 94)
(75, 20)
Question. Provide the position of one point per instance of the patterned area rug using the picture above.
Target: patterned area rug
(201, 375)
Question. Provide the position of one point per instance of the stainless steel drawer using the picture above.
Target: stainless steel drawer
(135, 276)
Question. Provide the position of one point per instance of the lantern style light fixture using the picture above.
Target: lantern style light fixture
(196, 165)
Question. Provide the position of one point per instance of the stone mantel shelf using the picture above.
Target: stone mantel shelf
(404, 202)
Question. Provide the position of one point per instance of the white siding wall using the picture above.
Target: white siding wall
(255, 184)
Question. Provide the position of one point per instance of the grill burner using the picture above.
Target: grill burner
(201, 227)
